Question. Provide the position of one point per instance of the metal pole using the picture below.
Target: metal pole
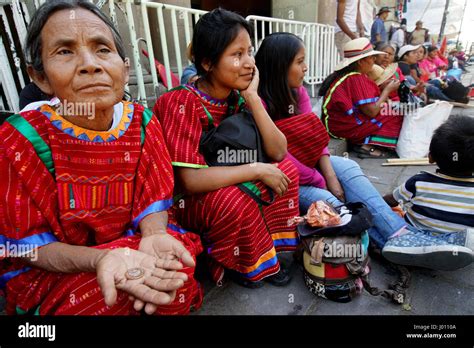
(443, 23)
(462, 20)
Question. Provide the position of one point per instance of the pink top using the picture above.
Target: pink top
(308, 176)
(431, 66)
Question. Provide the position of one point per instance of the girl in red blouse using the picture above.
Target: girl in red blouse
(240, 237)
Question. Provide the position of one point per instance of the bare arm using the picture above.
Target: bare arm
(360, 25)
(390, 200)
(325, 167)
(155, 223)
(213, 178)
(65, 258)
(341, 7)
(332, 182)
(373, 109)
(414, 75)
(274, 141)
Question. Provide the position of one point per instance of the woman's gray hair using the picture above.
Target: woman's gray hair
(33, 45)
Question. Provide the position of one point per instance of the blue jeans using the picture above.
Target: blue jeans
(434, 91)
(357, 188)
(433, 88)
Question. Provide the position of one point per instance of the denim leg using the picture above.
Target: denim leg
(435, 93)
(357, 188)
(310, 194)
(411, 81)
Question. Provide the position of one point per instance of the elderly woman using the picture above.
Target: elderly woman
(84, 196)
(353, 103)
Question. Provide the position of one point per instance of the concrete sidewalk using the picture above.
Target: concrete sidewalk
(431, 292)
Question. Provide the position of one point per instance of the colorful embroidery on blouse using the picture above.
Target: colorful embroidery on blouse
(88, 134)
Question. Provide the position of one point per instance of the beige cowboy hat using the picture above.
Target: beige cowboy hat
(355, 50)
(383, 10)
(379, 75)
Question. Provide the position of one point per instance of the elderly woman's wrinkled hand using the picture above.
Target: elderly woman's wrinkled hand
(156, 285)
(166, 247)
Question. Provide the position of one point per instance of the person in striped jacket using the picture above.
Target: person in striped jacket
(442, 203)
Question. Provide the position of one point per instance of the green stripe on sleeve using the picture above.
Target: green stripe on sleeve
(27, 130)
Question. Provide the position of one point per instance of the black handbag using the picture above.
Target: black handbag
(235, 141)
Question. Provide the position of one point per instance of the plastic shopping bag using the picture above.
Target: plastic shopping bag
(418, 127)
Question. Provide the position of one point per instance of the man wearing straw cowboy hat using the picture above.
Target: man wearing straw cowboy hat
(378, 32)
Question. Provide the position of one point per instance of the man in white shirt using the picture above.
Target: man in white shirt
(399, 36)
(348, 23)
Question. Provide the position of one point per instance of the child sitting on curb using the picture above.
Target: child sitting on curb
(442, 203)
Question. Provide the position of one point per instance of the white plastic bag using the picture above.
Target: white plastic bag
(317, 107)
(418, 127)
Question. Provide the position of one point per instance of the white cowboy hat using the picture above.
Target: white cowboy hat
(355, 50)
(406, 49)
(379, 75)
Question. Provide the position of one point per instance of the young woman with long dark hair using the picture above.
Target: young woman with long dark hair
(281, 62)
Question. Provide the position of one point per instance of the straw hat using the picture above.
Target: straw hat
(383, 10)
(355, 50)
(379, 75)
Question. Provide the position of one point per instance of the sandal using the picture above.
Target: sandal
(363, 153)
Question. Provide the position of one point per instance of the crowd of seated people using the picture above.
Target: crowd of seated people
(114, 207)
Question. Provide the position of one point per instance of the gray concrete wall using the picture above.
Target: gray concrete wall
(299, 10)
(327, 11)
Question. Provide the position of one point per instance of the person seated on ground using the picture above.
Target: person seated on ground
(86, 192)
(453, 62)
(387, 60)
(409, 63)
(384, 60)
(241, 239)
(281, 62)
(407, 60)
(190, 72)
(382, 77)
(461, 57)
(432, 63)
(442, 203)
(408, 68)
(189, 75)
(352, 103)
